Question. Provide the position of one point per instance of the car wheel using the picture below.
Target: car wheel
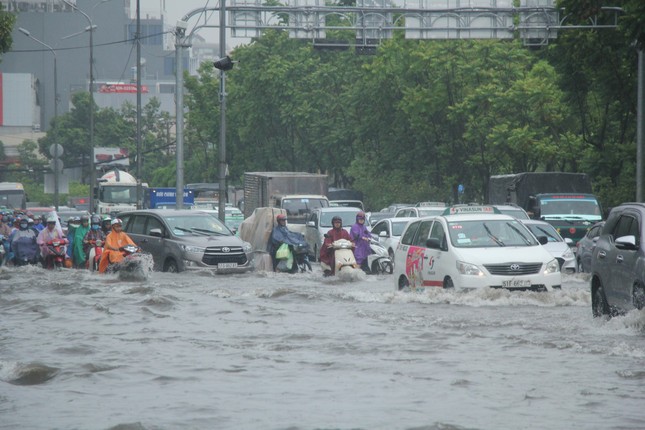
(170, 266)
(638, 295)
(404, 284)
(447, 283)
(599, 305)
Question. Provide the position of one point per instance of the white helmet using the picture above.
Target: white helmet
(52, 218)
(116, 221)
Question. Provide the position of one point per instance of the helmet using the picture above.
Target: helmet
(336, 218)
(30, 221)
(30, 214)
(281, 217)
(360, 215)
(106, 217)
(51, 218)
(116, 221)
(85, 218)
(95, 219)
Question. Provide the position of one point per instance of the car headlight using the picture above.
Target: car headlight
(247, 247)
(468, 269)
(552, 267)
(568, 254)
(193, 249)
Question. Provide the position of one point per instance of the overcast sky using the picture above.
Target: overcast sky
(177, 9)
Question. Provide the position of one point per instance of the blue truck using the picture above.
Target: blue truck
(166, 198)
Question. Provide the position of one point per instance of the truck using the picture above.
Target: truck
(296, 192)
(116, 192)
(564, 200)
(12, 195)
(166, 198)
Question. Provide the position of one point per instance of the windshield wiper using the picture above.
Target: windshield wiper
(492, 236)
(547, 233)
(206, 231)
(516, 230)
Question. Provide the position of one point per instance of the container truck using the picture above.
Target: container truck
(564, 200)
(116, 192)
(296, 192)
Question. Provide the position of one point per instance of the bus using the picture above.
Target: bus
(12, 195)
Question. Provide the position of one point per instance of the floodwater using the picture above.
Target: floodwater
(275, 351)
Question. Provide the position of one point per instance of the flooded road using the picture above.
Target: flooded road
(276, 351)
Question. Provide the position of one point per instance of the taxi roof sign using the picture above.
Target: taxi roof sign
(471, 210)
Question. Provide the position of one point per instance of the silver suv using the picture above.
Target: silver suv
(183, 240)
(618, 262)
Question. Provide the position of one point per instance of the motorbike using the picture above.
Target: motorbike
(344, 260)
(57, 255)
(300, 263)
(132, 266)
(94, 256)
(379, 260)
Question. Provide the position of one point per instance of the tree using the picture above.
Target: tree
(7, 21)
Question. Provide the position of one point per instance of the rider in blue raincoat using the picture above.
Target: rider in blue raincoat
(281, 234)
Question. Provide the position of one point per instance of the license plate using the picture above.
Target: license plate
(517, 283)
(227, 265)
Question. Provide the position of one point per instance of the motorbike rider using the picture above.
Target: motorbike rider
(78, 252)
(361, 237)
(106, 224)
(281, 234)
(115, 242)
(94, 234)
(39, 222)
(52, 231)
(24, 244)
(327, 252)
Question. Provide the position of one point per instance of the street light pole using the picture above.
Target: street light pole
(180, 43)
(91, 29)
(56, 171)
(222, 133)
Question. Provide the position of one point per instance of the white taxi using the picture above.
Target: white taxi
(473, 247)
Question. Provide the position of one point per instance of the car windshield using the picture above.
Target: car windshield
(489, 233)
(398, 227)
(119, 194)
(426, 211)
(545, 230)
(514, 212)
(298, 208)
(566, 208)
(349, 218)
(196, 225)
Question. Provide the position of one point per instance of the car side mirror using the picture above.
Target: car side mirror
(626, 243)
(383, 234)
(311, 223)
(156, 232)
(543, 240)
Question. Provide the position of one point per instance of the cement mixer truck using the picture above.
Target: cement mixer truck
(116, 192)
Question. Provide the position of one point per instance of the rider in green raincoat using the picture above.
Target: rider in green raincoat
(78, 254)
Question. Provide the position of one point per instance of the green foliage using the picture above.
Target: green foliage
(7, 21)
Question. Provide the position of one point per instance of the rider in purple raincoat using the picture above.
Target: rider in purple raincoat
(361, 237)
